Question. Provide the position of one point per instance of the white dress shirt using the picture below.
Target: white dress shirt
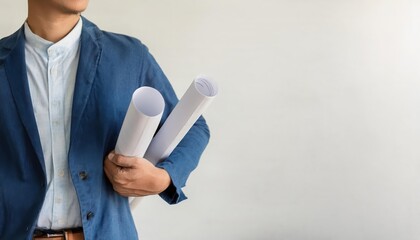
(52, 69)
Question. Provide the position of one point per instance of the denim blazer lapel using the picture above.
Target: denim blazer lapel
(90, 53)
(16, 74)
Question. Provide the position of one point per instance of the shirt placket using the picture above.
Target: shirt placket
(56, 106)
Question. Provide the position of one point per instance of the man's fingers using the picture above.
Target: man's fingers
(119, 160)
(111, 167)
(129, 192)
(131, 176)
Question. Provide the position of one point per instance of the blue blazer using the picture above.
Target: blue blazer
(111, 67)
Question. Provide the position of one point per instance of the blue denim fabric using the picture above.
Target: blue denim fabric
(111, 67)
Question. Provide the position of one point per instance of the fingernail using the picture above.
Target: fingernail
(111, 156)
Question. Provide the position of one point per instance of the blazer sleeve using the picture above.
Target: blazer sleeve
(185, 157)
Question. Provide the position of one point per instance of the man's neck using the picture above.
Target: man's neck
(52, 27)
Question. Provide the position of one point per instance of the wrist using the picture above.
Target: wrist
(162, 179)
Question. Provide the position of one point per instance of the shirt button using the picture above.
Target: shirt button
(61, 173)
(52, 53)
(83, 175)
(89, 215)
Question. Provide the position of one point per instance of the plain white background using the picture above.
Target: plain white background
(316, 131)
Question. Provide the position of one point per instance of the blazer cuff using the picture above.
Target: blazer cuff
(173, 194)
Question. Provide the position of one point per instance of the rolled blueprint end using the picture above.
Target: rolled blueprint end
(140, 123)
(189, 108)
(148, 101)
(205, 86)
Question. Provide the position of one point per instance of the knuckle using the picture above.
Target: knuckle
(117, 189)
(119, 160)
(120, 180)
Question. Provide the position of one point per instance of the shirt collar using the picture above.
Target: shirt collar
(65, 45)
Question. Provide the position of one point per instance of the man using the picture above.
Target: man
(65, 87)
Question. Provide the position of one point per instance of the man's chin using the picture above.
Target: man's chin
(73, 11)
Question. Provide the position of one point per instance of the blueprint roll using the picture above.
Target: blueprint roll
(140, 122)
(193, 103)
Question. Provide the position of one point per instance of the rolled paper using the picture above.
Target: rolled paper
(140, 123)
(191, 106)
(193, 103)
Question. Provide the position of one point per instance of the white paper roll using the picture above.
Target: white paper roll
(192, 104)
(140, 123)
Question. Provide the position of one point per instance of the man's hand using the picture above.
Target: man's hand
(135, 177)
